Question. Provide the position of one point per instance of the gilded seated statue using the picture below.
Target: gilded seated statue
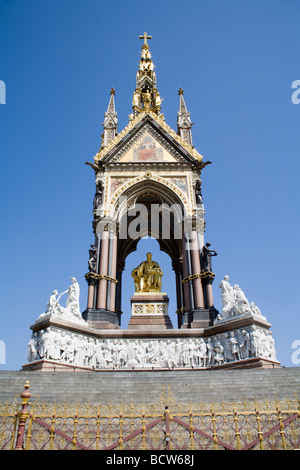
(147, 276)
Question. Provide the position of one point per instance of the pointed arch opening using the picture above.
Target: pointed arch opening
(143, 246)
(150, 214)
(149, 208)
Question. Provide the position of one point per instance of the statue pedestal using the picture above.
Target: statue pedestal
(149, 310)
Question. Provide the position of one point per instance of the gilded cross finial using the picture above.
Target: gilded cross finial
(145, 37)
(180, 91)
(112, 91)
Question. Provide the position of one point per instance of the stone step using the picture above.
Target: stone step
(145, 386)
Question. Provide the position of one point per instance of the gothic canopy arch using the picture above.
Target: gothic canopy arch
(148, 190)
(149, 208)
(148, 183)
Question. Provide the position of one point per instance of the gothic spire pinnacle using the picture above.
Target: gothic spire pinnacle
(111, 105)
(146, 96)
(184, 123)
(110, 120)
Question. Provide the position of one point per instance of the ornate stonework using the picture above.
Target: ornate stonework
(159, 120)
(148, 181)
(81, 350)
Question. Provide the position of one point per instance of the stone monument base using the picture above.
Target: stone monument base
(199, 317)
(242, 341)
(101, 318)
(45, 365)
(149, 310)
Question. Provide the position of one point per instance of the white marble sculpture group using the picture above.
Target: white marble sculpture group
(71, 311)
(83, 351)
(234, 301)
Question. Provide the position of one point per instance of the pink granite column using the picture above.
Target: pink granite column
(185, 274)
(90, 301)
(196, 269)
(180, 296)
(209, 295)
(113, 274)
(120, 269)
(102, 286)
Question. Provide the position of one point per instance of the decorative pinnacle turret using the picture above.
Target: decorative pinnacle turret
(184, 123)
(146, 96)
(110, 124)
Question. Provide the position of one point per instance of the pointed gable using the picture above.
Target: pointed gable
(168, 146)
(147, 137)
(147, 149)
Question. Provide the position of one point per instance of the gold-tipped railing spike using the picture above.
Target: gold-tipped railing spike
(23, 416)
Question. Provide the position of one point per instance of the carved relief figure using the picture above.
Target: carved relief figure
(72, 310)
(227, 296)
(52, 303)
(198, 193)
(98, 198)
(93, 259)
(240, 303)
(33, 348)
(80, 350)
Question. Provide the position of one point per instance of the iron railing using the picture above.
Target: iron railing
(164, 425)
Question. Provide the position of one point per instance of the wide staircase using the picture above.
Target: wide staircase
(193, 386)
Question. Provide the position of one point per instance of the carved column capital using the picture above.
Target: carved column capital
(91, 278)
(207, 277)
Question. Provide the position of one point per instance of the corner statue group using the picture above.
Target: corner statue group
(147, 276)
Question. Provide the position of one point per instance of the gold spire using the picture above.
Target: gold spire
(146, 97)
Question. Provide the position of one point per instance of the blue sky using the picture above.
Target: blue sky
(236, 61)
